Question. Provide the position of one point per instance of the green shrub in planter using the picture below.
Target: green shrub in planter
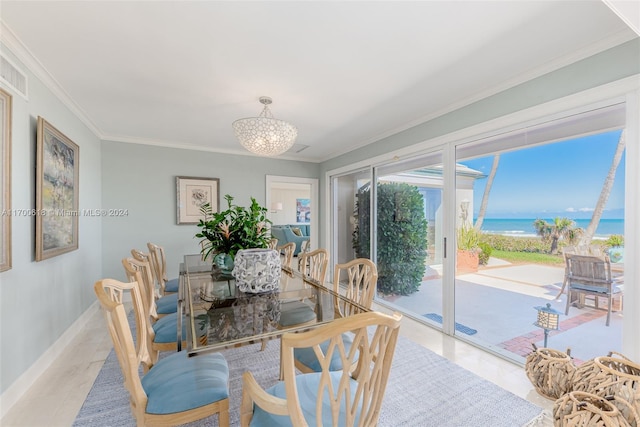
(486, 252)
(402, 236)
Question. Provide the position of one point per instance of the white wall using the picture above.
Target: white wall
(40, 300)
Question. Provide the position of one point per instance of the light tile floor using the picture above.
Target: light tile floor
(57, 396)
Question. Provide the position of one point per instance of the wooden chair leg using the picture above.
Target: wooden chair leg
(564, 285)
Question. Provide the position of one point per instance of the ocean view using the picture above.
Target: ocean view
(524, 227)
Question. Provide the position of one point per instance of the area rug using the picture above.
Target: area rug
(424, 389)
(459, 327)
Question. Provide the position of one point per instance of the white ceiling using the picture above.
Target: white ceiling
(346, 73)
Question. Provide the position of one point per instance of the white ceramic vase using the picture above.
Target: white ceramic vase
(257, 270)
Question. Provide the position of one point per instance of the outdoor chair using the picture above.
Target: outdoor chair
(594, 250)
(589, 275)
(177, 389)
(351, 396)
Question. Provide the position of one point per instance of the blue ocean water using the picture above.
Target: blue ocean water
(524, 227)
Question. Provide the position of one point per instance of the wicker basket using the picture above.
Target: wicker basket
(550, 371)
(614, 376)
(580, 409)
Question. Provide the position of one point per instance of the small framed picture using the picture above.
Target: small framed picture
(57, 174)
(303, 210)
(192, 193)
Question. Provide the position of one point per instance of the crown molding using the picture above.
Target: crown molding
(187, 146)
(34, 66)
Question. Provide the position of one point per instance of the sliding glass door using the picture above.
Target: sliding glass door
(542, 192)
(470, 237)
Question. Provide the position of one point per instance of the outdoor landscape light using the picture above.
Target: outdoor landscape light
(548, 319)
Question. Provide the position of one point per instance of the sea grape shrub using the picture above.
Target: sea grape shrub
(515, 244)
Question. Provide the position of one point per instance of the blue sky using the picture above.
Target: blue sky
(561, 179)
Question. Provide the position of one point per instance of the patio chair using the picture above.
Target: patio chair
(589, 275)
(594, 250)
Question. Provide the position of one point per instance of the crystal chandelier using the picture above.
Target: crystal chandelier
(264, 135)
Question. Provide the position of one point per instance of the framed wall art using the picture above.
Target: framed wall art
(192, 193)
(5, 180)
(303, 210)
(57, 177)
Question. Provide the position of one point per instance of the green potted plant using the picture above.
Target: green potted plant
(224, 233)
(468, 256)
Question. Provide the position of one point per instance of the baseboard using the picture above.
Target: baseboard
(31, 375)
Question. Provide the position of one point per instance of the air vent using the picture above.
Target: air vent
(12, 76)
(296, 148)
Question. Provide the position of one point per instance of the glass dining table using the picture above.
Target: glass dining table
(220, 316)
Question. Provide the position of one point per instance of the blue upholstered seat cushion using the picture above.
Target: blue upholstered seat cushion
(308, 358)
(178, 383)
(307, 385)
(295, 312)
(171, 286)
(167, 304)
(166, 329)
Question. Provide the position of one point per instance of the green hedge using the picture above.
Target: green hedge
(402, 236)
(515, 244)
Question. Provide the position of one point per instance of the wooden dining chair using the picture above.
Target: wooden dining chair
(351, 396)
(356, 280)
(159, 264)
(298, 312)
(177, 389)
(163, 334)
(313, 264)
(273, 243)
(306, 247)
(287, 250)
(164, 305)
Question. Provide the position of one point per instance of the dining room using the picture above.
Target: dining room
(119, 132)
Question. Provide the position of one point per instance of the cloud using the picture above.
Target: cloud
(579, 210)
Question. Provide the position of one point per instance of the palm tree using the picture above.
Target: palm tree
(605, 192)
(487, 190)
(558, 229)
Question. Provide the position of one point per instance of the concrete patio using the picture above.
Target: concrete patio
(498, 302)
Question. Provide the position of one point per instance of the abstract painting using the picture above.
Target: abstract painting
(303, 210)
(57, 174)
